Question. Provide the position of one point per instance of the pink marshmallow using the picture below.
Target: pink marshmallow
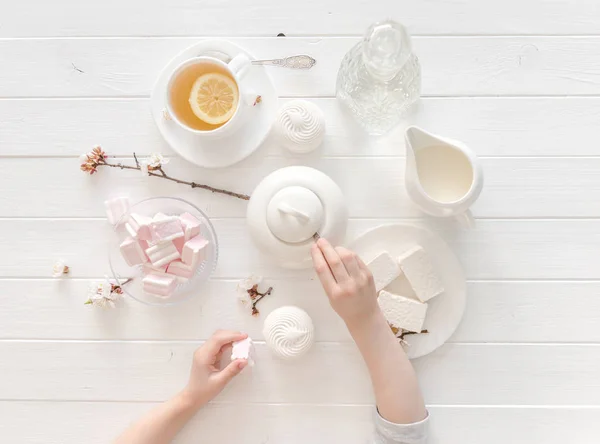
(179, 243)
(150, 269)
(191, 225)
(163, 253)
(166, 230)
(194, 251)
(132, 252)
(159, 285)
(178, 268)
(243, 349)
(116, 209)
(141, 225)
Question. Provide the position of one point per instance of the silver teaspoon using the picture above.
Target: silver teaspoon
(292, 62)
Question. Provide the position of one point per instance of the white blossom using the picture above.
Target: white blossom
(83, 158)
(156, 160)
(59, 268)
(101, 294)
(246, 284)
(249, 282)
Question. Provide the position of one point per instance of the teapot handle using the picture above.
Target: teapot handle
(466, 219)
(288, 209)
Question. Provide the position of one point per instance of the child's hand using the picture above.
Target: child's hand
(347, 282)
(207, 380)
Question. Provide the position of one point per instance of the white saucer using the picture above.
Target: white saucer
(446, 310)
(217, 153)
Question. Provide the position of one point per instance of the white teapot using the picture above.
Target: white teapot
(443, 177)
(289, 207)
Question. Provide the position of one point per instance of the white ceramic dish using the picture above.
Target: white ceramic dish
(445, 311)
(226, 151)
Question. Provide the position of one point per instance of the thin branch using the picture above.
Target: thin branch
(137, 163)
(163, 175)
(119, 165)
(258, 299)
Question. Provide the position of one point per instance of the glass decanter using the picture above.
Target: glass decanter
(380, 77)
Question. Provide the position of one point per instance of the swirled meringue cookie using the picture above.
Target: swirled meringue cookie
(300, 126)
(289, 332)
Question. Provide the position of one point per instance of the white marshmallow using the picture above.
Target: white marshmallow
(402, 312)
(419, 272)
(384, 269)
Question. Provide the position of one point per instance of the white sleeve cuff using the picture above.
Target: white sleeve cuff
(389, 433)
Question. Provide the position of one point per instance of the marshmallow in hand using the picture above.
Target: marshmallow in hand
(243, 349)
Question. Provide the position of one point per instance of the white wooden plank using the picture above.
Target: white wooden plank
(152, 371)
(54, 310)
(99, 422)
(472, 66)
(495, 249)
(530, 312)
(514, 187)
(509, 126)
(519, 312)
(260, 17)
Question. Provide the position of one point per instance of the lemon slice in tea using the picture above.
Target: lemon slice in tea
(214, 98)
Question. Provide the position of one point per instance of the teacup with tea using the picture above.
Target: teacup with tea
(205, 95)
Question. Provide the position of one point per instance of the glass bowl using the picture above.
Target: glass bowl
(121, 271)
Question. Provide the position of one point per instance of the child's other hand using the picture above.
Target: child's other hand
(347, 282)
(207, 379)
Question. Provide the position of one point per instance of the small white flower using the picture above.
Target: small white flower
(249, 282)
(59, 268)
(144, 167)
(246, 284)
(101, 295)
(156, 160)
(83, 158)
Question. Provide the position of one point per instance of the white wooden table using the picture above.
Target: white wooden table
(519, 81)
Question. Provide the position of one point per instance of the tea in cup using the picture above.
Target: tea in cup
(204, 94)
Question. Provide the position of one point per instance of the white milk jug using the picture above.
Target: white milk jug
(443, 177)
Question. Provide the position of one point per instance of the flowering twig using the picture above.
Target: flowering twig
(249, 288)
(105, 294)
(152, 167)
(59, 268)
(256, 297)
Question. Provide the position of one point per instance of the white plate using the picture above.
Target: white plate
(218, 152)
(446, 310)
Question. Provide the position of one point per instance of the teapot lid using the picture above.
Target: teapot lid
(289, 207)
(294, 214)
